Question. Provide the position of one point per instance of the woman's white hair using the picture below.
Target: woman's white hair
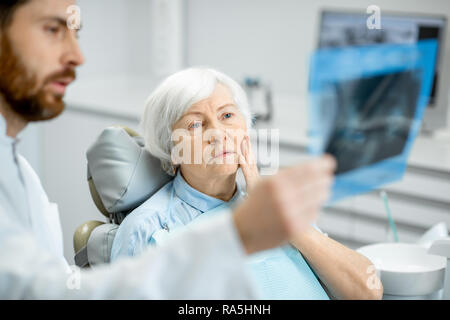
(167, 104)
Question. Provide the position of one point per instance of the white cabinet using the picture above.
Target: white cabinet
(419, 201)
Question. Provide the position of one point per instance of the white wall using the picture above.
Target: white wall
(114, 37)
(138, 37)
(271, 38)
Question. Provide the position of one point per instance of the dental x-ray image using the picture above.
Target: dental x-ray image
(366, 108)
(372, 118)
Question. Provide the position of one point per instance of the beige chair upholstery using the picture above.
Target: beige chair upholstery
(80, 241)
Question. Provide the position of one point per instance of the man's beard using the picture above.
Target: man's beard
(18, 87)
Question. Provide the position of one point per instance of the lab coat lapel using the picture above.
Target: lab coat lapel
(44, 215)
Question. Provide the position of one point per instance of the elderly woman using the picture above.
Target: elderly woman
(196, 123)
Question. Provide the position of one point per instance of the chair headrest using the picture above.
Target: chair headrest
(121, 173)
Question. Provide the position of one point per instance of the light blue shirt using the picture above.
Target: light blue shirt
(174, 205)
(280, 273)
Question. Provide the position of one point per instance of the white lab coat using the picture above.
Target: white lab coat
(206, 261)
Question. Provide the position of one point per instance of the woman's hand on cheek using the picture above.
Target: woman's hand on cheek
(248, 164)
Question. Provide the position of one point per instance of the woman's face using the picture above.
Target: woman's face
(208, 137)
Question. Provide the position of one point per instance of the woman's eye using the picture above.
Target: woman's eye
(195, 125)
(228, 115)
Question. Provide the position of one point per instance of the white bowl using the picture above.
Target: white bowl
(406, 269)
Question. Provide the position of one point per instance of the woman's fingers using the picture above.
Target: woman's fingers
(248, 164)
(244, 150)
(249, 156)
(245, 146)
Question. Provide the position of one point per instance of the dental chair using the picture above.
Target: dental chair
(121, 175)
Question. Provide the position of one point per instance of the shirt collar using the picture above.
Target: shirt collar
(197, 199)
(3, 136)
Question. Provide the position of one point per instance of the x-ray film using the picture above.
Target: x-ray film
(366, 107)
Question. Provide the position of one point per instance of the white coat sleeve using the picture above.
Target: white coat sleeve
(205, 261)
